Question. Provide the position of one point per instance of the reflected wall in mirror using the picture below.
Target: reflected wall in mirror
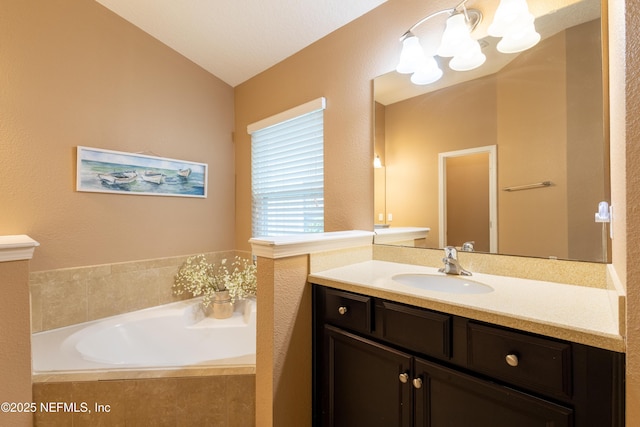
(543, 109)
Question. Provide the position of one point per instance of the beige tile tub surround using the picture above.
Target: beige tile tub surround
(221, 401)
(74, 295)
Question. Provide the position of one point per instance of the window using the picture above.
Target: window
(287, 172)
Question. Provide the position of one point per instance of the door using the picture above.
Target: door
(363, 384)
(450, 398)
(468, 201)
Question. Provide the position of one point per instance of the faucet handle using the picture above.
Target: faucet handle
(450, 252)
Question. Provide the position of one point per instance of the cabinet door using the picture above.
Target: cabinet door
(363, 385)
(449, 398)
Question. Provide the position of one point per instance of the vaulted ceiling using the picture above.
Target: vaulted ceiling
(237, 39)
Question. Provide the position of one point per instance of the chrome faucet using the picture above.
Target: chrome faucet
(468, 246)
(451, 263)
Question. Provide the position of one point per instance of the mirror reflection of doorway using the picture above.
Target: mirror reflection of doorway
(468, 200)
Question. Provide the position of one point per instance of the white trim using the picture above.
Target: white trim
(493, 192)
(17, 248)
(399, 234)
(316, 104)
(302, 244)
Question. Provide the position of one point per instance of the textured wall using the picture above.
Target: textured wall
(15, 341)
(624, 19)
(73, 73)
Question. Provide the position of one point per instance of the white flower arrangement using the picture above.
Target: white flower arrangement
(200, 278)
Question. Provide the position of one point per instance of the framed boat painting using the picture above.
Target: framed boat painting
(107, 171)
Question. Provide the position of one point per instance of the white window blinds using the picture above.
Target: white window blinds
(287, 172)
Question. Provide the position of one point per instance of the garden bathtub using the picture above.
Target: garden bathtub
(170, 336)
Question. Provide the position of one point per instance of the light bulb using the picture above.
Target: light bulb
(377, 163)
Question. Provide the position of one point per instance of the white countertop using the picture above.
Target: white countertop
(574, 313)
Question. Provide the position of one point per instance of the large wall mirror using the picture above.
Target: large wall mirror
(541, 113)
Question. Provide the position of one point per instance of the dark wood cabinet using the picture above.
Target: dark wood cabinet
(350, 402)
(450, 398)
(381, 363)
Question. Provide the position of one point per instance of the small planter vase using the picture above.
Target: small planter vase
(222, 307)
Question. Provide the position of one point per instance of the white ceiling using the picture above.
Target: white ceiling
(237, 39)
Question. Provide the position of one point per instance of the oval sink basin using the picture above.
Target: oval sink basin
(442, 283)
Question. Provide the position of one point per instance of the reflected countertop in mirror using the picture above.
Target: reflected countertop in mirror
(544, 112)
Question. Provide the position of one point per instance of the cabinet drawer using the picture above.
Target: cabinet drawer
(535, 363)
(347, 310)
(416, 329)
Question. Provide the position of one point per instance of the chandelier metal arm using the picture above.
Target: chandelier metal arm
(473, 21)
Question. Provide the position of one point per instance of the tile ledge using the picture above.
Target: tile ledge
(17, 247)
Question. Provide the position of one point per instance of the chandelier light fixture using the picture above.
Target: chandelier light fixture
(513, 22)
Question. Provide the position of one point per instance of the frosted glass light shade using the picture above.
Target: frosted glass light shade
(428, 72)
(470, 59)
(515, 24)
(510, 13)
(412, 55)
(517, 41)
(455, 37)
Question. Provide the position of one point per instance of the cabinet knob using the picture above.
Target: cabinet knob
(342, 310)
(404, 377)
(417, 383)
(512, 360)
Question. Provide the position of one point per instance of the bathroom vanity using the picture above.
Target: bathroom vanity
(383, 356)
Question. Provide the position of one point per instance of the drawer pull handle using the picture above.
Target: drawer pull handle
(417, 383)
(342, 310)
(404, 377)
(512, 360)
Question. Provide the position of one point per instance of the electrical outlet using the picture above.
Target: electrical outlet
(389, 217)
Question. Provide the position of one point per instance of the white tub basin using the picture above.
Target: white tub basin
(442, 283)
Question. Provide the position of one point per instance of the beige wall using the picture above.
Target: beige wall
(15, 340)
(73, 73)
(283, 353)
(624, 19)
(537, 217)
(585, 161)
(379, 174)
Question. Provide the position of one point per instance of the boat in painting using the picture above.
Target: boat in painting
(154, 177)
(117, 178)
(184, 173)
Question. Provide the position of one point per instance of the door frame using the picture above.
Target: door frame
(492, 150)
